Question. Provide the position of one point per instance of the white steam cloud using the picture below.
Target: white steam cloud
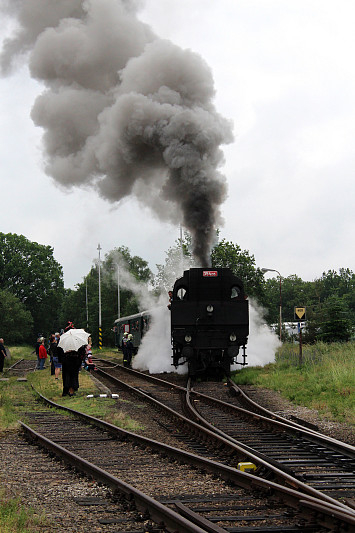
(155, 353)
(123, 111)
(262, 341)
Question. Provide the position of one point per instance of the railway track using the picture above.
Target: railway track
(176, 490)
(234, 394)
(288, 454)
(324, 464)
(21, 368)
(247, 506)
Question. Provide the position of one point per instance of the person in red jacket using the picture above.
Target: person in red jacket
(42, 354)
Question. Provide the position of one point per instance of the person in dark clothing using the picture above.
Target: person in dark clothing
(38, 344)
(54, 357)
(2, 354)
(71, 363)
(130, 350)
(124, 348)
(52, 345)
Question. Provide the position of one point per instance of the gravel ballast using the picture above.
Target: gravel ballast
(43, 483)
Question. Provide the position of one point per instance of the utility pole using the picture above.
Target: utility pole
(118, 293)
(87, 305)
(100, 324)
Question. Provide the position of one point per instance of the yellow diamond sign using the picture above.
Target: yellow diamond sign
(300, 313)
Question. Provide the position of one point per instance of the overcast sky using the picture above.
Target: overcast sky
(284, 74)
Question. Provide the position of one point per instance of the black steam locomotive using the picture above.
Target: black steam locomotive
(209, 321)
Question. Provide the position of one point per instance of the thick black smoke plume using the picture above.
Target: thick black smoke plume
(123, 111)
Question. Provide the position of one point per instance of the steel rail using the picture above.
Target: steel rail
(144, 503)
(224, 435)
(269, 414)
(314, 437)
(245, 453)
(328, 511)
(15, 364)
(328, 441)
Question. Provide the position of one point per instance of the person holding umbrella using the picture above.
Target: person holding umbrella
(70, 351)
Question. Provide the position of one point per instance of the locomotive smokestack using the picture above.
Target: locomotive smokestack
(124, 111)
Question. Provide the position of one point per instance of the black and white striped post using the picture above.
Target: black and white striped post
(118, 293)
(100, 324)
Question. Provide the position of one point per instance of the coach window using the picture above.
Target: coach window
(235, 293)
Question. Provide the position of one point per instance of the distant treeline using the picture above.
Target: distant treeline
(33, 299)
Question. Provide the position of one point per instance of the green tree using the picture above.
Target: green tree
(314, 296)
(178, 258)
(294, 293)
(30, 272)
(15, 320)
(122, 257)
(336, 325)
(74, 306)
(230, 255)
(340, 284)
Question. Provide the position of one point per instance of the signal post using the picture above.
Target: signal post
(300, 316)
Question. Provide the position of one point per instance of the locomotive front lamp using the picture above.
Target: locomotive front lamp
(188, 338)
(209, 309)
(232, 337)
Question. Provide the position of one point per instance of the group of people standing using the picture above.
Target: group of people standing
(69, 363)
(42, 354)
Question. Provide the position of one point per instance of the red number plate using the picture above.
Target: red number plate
(210, 273)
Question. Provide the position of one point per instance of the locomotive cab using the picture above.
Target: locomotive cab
(209, 321)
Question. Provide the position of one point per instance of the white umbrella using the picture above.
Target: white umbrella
(73, 339)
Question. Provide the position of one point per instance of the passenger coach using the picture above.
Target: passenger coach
(137, 325)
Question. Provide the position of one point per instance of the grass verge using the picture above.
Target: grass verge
(16, 518)
(325, 381)
(15, 396)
